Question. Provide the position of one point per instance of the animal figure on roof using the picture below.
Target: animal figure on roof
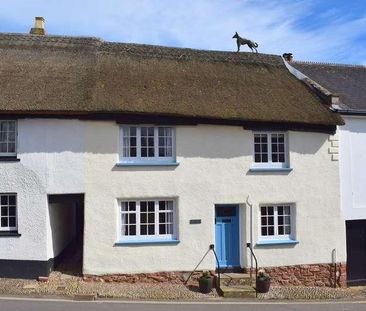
(242, 41)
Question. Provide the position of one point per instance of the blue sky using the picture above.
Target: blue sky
(314, 30)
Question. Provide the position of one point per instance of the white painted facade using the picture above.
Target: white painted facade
(51, 154)
(353, 167)
(70, 156)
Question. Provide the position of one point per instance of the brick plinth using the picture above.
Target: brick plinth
(300, 275)
(158, 277)
(309, 275)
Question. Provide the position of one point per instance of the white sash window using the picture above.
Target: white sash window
(8, 138)
(147, 144)
(147, 219)
(270, 150)
(8, 212)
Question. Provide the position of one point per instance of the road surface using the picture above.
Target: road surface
(24, 304)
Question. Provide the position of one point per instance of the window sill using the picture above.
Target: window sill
(276, 242)
(145, 242)
(9, 159)
(9, 234)
(270, 169)
(121, 164)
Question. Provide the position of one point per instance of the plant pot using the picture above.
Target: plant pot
(205, 285)
(263, 286)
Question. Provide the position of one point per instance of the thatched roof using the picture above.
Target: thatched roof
(55, 75)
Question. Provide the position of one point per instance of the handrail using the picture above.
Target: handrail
(211, 248)
(249, 245)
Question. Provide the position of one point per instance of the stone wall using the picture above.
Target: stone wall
(320, 275)
(159, 277)
(333, 149)
(308, 275)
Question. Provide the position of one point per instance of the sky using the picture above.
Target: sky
(313, 30)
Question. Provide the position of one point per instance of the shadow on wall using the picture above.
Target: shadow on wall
(214, 142)
(75, 136)
(143, 168)
(307, 142)
(275, 246)
(355, 125)
(64, 222)
(102, 137)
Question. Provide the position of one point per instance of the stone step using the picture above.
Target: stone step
(233, 279)
(243, 291)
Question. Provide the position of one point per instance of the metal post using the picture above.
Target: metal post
(249, 245)
(212, 247)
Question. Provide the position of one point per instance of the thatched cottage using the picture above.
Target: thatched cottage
(140, 157)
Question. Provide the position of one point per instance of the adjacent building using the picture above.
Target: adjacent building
(346, 86)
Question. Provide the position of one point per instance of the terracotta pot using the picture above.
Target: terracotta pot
(205, 285)
(263, 286)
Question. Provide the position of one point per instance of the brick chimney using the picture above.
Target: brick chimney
(38, 28)
(287, 56)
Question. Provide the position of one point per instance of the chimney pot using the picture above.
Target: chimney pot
(288, 56)
(334, 98)
(38, 28)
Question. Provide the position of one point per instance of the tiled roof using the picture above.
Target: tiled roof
(347, 81)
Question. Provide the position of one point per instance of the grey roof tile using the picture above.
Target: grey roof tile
(347, 81)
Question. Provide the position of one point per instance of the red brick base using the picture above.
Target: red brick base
(309, 275)
(158, 277)
(306, 275)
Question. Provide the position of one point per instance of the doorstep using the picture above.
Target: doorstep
(236, 285)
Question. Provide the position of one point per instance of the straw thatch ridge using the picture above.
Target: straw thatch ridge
(81, 75)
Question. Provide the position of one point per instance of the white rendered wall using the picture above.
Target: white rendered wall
(31, 209)
(51, 156)
(353, 167)
(54, 149)
(214, 163)
(70, 156)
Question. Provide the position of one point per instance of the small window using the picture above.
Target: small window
(8, 138)
(147, 219)
(144, 144)
(8, 212)
(277, 222)
(270, 150)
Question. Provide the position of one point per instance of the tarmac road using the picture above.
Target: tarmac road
(29, 304)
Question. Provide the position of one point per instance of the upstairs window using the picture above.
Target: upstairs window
(8, 135)
(270, 150)
(146, 144)
(8, 214)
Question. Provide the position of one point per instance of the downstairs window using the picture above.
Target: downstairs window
(277, 222)
(8, 213)
(147, 220)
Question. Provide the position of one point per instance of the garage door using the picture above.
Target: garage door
(356, 252)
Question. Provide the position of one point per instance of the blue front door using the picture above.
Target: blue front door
(227, 235)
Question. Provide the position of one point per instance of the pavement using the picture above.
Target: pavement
(22, 304)
(69, 286)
